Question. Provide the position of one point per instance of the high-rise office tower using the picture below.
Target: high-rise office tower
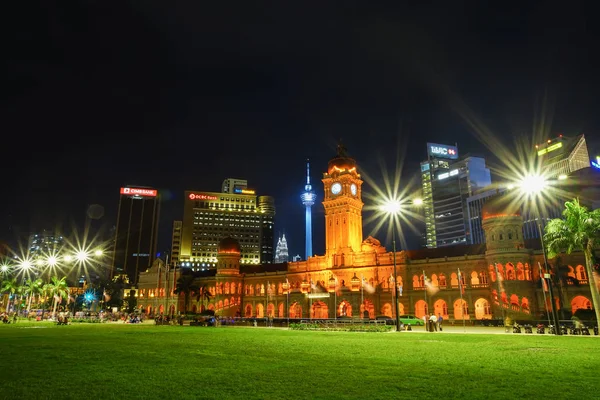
(308, 199)
(44, 244)
(136, 233)
(176, 241)
(563, 155)
(234, 185)
(209, 217)
(447, 182)
(281, 250)
(559, 157)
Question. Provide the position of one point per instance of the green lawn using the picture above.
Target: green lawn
(120, 361)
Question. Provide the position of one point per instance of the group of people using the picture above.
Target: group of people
(433, 323)
(6, 319)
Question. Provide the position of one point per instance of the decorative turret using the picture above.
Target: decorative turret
(229, 253)
(502, 223)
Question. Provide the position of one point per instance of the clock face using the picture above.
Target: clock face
(336, 188)
(353, 189)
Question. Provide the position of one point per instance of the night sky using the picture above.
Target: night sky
(180, 95)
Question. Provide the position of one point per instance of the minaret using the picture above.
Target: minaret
(308, 199)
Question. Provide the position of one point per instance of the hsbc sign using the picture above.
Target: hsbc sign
(139, 192)
(442, 151)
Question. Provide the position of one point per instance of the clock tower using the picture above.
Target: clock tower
(343, 205)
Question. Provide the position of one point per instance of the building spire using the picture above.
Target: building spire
(308, 186)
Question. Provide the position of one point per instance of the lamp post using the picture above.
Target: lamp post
(532, 186)
(392, 208)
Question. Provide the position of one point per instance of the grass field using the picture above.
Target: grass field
(120, 361)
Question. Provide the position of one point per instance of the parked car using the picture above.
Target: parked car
(411, 319)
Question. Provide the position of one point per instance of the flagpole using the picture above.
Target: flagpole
(287, 302)
(460, 289)
(543, 280)
(425, 287)
(362, 294)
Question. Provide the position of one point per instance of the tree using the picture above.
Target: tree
(58, 290)
(203, 295)
(186, 285)
(11, 286)
(578, 230)
(33, 287)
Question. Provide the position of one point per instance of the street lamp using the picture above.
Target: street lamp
(532, 186)
(392, 208)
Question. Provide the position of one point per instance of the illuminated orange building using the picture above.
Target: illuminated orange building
(354, 277)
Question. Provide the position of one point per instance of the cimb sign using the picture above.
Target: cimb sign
(442, 151)
(139, 192)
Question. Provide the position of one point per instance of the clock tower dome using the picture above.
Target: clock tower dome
(343, 205)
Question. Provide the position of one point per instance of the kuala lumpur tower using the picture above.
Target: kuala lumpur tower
(308, 199)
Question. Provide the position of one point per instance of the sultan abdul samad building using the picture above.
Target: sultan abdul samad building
(501, 277)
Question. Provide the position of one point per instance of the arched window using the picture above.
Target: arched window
(440, 307)
(434, 280)
(483, 309)
(510, 272)
(454, 279)
(528, 276)
(520, 272)
(416, 282)
(442, 279)
(510, 235)
(492, 272)
(421, 309)
(461, 309)
(580, 272)
(501, 236)
(474, 278)
(483, 278)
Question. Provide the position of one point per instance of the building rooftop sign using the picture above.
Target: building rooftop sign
(201, 196)
(139, 192)
(442, 151)
(550, 148)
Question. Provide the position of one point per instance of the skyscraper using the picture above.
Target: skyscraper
(281, 250)
(447, 182)
(308, 199)
(563, 155)
(208, 217)
(136, 232)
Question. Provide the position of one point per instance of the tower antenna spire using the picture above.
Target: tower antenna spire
(308, 199)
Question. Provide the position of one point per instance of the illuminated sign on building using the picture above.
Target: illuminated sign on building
(596, 164)
(201, 196)
(442, 151)
(447, 174)
(243, 191)
(550, 148)
(139, 192)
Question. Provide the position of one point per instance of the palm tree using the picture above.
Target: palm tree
(203, 295)
(578, 230)
(58, 289)
(186, 285)
(32, 288)
(11, 286)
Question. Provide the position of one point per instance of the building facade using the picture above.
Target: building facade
(355, 277)
(136, 232)
(447, 183)
(210, 216)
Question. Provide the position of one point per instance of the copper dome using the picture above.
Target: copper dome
(500, 206)
(341, 162)
(229, 245)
